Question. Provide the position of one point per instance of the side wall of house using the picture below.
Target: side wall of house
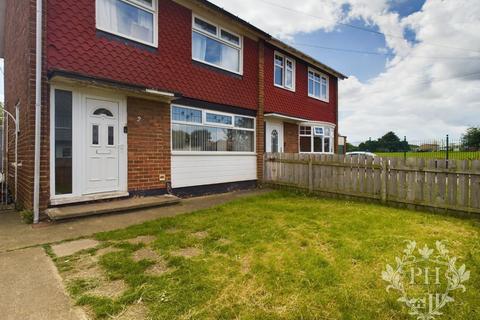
(298, 104)
(148, 146)
(19, 88)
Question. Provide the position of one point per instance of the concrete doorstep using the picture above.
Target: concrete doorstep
(84, 210)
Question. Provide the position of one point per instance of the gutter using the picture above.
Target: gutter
(38, 111)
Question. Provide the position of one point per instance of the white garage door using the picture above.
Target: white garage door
(193, 170)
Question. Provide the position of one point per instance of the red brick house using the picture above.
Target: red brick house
(144, 97)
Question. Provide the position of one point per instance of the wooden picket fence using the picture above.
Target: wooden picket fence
(439, 184)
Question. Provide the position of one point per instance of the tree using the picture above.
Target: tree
(370, 146)
(390, 142)
(471, 139)
(351, 147)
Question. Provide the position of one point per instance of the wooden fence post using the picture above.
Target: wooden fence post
(384, 180)
(310, 174)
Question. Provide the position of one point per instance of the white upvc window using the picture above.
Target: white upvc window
(318, 85)
(316, 139)
(216, 46)
(205, 131)
(284, 72)
(131, 19)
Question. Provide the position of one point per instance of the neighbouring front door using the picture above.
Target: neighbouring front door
(102, 162)
(274, 136)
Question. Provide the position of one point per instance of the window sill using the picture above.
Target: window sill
(211, 153)
(126, 41)
(215, 68)
(319, 99)
(284, 88)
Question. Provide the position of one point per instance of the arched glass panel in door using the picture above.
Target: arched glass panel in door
(275, 141)
(103, 112)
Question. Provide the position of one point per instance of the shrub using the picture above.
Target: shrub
(27, 216)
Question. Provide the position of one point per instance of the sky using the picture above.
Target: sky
(418, 72)
(428, 84)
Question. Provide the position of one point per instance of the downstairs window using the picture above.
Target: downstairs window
(210, 131)
(316, 139)
(63, 142)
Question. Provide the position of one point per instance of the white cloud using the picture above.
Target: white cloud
(417, 95)
(284, 23)
(422, 97)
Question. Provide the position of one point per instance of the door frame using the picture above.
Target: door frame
(80, 95)
(269, 126)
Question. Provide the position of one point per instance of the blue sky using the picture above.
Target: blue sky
(363, 66)
(406, 7)
(416, 91)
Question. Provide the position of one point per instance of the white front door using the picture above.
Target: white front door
(274, 136)
(102, 154)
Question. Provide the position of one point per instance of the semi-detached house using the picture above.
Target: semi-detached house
(145, 97)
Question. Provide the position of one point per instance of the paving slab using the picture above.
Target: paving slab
(31, 288)
(71, 247)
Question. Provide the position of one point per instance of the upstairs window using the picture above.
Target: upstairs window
(216, 46)
(284, 73)
(131, 19)
(317, 85)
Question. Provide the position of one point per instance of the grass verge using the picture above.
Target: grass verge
(276, 256)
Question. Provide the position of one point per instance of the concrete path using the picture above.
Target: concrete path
(31, 288)
(14, 234)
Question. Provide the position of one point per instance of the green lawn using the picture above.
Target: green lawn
(274, 256)
(453, 155)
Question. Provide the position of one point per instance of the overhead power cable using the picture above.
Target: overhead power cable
(466, 75)
(379, 53)
(361, 28)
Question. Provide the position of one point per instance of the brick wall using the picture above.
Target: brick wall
(74, 45)
(20, 87)
(261, 107)
(290, 137)
(148, 144)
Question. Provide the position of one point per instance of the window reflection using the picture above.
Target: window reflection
(63, 142)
